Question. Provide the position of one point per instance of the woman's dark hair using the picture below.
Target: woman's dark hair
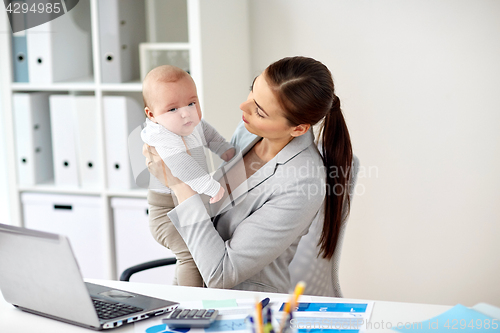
(304, 88)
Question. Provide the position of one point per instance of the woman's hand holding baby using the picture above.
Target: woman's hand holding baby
(182, 191)
(153, 163)
(228, 154)
(157, 168)
(218, 196)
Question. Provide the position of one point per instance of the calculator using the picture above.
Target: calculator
(195, 318)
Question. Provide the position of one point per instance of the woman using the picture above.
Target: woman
(254, 233)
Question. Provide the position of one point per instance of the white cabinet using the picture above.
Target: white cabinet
(217, 35)
(134, 243)
(77, 217)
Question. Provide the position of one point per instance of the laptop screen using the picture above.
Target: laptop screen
(39, 272)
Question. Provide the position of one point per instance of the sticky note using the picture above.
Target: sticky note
(222, 303)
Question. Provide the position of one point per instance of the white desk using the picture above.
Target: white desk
(13, 320)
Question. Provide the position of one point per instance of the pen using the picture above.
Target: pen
(292, 303)
(264, 302)
(252, 324)
(268, 327)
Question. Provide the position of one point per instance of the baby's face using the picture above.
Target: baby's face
(175, 106)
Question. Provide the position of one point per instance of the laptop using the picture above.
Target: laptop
(39, 274)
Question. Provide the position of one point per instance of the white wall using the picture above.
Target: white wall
(420, 82)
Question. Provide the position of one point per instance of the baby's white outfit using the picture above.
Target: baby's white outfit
(190, 167)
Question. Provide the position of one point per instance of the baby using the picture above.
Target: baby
(175, 128)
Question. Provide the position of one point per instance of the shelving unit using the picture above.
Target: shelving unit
(218, 39)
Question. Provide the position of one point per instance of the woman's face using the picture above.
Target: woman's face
(263, 114)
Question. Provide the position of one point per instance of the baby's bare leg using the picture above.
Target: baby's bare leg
(165, 233)
(186, 271)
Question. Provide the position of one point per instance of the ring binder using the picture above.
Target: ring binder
(122, 115)
(59, 50)
(33, 138)
(63, 140)
(121, 29)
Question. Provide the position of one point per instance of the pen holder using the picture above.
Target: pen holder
(270, 325)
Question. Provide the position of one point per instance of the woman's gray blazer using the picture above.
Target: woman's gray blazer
(247, 240)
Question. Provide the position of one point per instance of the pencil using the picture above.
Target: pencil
(292, 303)
(299, 290)
(258, 317)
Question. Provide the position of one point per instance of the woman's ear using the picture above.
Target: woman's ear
(300, 129)
(148, 113)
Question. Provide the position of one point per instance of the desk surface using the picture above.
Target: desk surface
(13, 320)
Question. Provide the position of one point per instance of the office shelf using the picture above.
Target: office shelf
(215, 34)
(51, 188)
(118, 87)
(82, 84)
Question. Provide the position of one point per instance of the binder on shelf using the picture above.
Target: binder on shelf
(122, 114)
(19, 47)
(33, 138)
(63, 124)
(87, 144)
(121, 29)
(60, 50)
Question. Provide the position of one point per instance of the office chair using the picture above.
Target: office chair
(127, 273)
(321, 275)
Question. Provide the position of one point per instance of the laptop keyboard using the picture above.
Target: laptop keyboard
(107, 310)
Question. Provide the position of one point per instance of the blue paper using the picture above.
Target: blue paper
(162, 328)
(458, 319)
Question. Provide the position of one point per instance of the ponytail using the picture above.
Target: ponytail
(337, 156)
(304, 88)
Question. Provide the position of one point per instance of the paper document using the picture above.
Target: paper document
(309, 317)
(330, 317)
(230, 318)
